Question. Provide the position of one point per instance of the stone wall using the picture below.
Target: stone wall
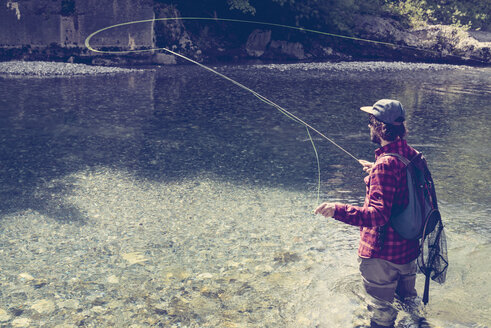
(40, 23)
(32, 23)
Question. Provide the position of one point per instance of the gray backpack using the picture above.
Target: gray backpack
(420, 219)
(421, 215)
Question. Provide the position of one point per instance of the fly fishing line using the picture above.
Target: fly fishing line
(256, 94)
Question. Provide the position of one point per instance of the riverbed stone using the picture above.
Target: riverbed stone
(21, 322)
(44, 306)
(26, 276)
(134, 258)
(113, 279)
(68, 304)
(4, 315)
(205, 275)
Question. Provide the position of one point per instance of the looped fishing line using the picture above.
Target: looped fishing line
(293, 117)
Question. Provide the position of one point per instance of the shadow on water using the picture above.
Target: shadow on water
(163, 127)
(178, 123)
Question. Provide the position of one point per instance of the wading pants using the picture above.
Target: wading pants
(382, 281)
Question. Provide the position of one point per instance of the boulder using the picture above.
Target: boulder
(257, 42)
(453, 43)
(289, 49)
(442, 42)
(382, 29)
(165, 59)
(172, 33)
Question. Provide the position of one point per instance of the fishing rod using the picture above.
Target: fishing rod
(282, 110)
(256, 94)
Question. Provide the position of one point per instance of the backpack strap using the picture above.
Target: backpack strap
(405, 161)
(399, 156)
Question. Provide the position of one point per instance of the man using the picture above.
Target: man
(387, 261)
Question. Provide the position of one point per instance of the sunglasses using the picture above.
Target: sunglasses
(371, 120)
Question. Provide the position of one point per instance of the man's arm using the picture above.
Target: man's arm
(379, 205)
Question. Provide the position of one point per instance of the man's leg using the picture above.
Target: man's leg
(380, 280)
(407, 295)
(407, 280)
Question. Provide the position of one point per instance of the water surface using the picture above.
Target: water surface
(174, 198)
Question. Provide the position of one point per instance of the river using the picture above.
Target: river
(173, 198)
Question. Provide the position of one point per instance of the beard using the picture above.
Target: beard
(374, 137)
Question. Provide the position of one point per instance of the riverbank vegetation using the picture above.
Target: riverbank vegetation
(340, 15)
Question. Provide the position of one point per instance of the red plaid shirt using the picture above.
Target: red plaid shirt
(386, 191)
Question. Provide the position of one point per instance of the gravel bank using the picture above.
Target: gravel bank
(48, 69)
(359, 66)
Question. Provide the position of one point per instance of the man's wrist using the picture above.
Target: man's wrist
(338, 210)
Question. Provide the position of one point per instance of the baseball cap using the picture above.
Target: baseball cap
(387, 110)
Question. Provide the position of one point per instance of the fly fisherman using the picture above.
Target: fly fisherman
(387, 261)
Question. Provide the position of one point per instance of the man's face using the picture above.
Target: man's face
(374, 137)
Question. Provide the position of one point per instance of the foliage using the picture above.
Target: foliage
(67, 7)
(461, 13)
(339, 15)
(242, 5)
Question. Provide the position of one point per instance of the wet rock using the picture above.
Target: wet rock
(69, 304)
(205, 275)
(113, 279)
(21, 322)
(134, 258)
(160, 308)
(4, 315)
(44, 306)
(17, 310)
(38, 283)
(98, 309)
(264, 268)
(286, 257)
(26, 276)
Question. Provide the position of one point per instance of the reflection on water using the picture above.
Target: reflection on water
(173, 198)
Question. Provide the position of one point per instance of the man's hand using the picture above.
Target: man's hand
(326, 209)
(367, 166)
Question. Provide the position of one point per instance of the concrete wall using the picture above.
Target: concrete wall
(40, 23)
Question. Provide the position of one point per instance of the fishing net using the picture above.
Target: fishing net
(433, 260)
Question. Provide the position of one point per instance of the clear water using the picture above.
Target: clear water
(173, 198)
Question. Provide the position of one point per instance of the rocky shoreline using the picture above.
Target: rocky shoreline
(39, 69)
(56, 69)
(226, 41)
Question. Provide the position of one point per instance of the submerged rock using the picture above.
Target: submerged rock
(4, 315)
(44, 306)
(21, 322)
(26, 276)
(134, 258)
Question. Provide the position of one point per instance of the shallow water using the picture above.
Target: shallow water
(173, 198)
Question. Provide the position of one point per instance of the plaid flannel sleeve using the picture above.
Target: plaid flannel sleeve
(378, 204)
